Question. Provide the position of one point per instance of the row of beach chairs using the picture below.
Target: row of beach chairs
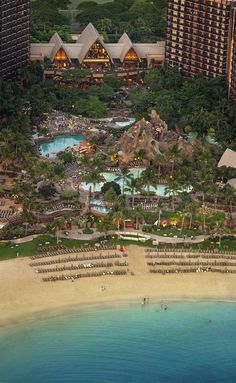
(77, 259)
(73, 250)
(191, 270)
(188, 255)
(189, 263)
(185, 250)
(82, 266)
(87, 275)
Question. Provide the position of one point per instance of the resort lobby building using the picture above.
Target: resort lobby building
(91, 52)
(14, 36)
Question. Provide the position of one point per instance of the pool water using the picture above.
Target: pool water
(109, 177)
(98, 206)
(123, 124)
(100, 209)
(211, 140)
(59, 144)
(97, 202)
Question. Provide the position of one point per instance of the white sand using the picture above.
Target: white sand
(24, 295)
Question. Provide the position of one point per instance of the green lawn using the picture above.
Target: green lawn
(9, 250)
(172, 232)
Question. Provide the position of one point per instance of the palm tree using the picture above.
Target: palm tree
(204, 212)
(230, 195)
(148, 178)
(58, 225)
(132, 186)
(173, 154)
(160, 207)
(104, 225)
(123, 176)
(172, 189)
(118, 216)
(192, 209)
(202, 182)
(138, 214)
(94, 177)
(140, 155)
(219, 230)
(159, 160)
(184, 204)
(38, 208)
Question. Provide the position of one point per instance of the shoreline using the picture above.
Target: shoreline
(99, 305)
(25, 298)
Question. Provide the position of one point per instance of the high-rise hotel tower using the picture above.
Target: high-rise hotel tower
(14, 36)
(232, 57)
(200, 36)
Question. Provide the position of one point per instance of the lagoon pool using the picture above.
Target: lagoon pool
(59, 144)
(109, 177)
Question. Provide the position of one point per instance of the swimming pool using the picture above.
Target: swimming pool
(100, 209)
(109, 177)
(59, 144)
(97, 202)
(123, 124)
(208, 138)
(98, 206)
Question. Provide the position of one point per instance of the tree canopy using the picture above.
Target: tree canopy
(144, 20)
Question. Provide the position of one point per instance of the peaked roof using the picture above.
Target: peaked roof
(88, 37)
(79, 50)
(228, 159)
(58, 44)
(127, 45)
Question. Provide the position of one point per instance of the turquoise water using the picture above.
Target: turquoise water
(125, 344)
(59, 144)
(123, 124)
(209, 139)
(109, 177)
(100, 209)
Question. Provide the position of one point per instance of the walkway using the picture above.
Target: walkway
(73, 234)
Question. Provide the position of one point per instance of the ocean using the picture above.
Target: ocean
(188, 342)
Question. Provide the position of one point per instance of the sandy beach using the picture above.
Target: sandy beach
(23, 295)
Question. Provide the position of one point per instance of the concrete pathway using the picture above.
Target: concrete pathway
(74, 234)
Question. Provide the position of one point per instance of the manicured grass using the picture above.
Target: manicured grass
(9, 250)
(173, 232)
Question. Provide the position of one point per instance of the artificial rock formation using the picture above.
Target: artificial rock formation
(139, 137)
(153, 137)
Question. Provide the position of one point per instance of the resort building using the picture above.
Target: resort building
(198, 36)
(228, 159)
(232, 58)
(14, 36)
(90, 51)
